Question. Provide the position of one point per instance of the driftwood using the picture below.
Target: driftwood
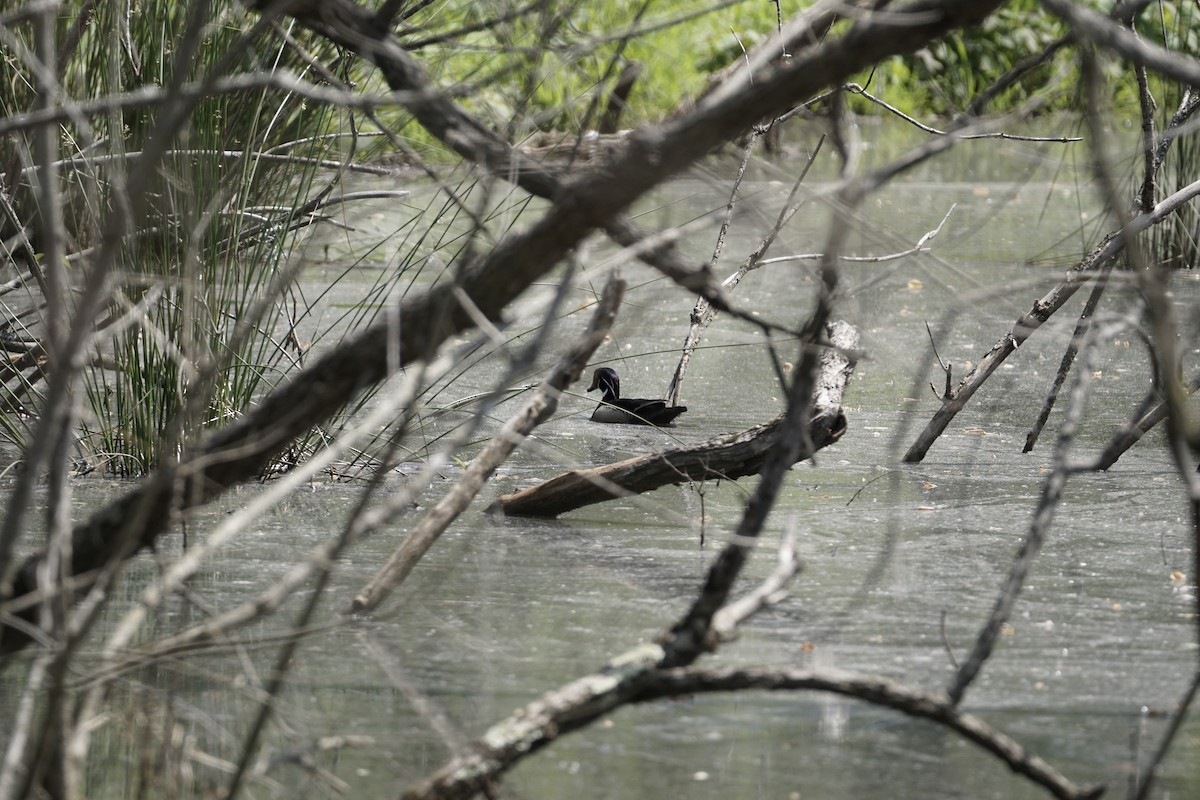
(729, 456)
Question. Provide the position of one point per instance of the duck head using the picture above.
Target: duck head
(605, 379)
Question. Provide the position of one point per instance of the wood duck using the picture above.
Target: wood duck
(627, 410)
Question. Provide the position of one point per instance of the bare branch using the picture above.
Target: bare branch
(1052, 491)
(770, 592)
(540, 407)
(1095, 263)
(872, 689)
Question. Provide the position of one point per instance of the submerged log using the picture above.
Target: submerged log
(729, 456)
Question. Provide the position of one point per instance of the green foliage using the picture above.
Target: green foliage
(943, 79)
(951, 73)
(549, 68)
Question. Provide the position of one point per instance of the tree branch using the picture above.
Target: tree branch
(240, 451)
(871, 689)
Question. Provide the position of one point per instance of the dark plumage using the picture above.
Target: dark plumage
(628, 410)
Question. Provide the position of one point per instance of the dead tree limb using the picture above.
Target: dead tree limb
(1095, 263)
(1064, 367)
(1152, 411)
(729, 457)
(659, 684)
(1108, 33)
(582, 701)
(1155, 150)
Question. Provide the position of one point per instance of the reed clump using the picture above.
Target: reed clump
(200, 313)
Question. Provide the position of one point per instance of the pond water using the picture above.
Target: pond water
(1099, 650)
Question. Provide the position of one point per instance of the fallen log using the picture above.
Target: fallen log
(729, 456)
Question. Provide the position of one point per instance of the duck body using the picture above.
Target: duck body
(627, 410)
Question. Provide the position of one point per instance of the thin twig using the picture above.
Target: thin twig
(947, 369)
(770, 592)
(540, 407)
(1039, 529)
(704, 312)
(1081, 328)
